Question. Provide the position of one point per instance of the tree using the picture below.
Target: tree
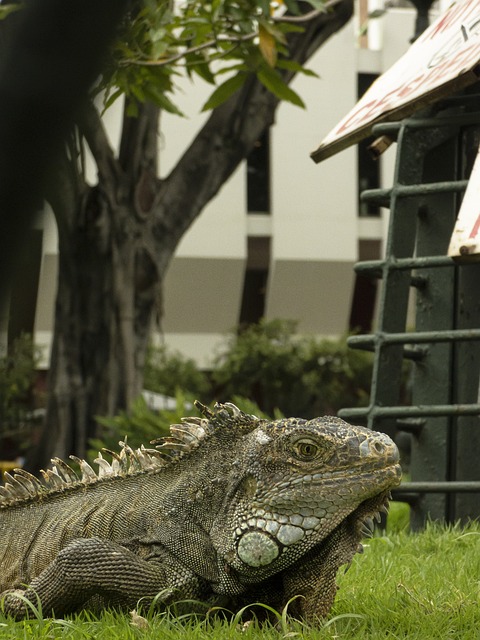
(117, 237)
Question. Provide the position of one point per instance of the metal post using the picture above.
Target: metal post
(432, 376)
(465, 461)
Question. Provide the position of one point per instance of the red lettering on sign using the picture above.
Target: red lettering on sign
(456, 14)
(475, 228)
(453, 67)
(447, 51)
(364, 112)
(411, 86)
(419, 85)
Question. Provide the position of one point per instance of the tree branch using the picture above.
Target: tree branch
(92, 128)
(231, 132)
(185, 52)
(63, 189)
(307, 17)
(138, 140)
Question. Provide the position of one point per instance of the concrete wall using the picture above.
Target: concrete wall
(314, 241)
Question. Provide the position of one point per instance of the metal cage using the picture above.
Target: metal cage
(440, 298)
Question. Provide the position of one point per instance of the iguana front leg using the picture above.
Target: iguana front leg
(93, 568)
(313, 578)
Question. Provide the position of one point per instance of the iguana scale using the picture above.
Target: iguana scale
(229, 509)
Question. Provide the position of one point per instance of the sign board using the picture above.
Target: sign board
(465, 241)
(443, 60)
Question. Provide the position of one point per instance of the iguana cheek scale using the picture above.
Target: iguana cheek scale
(257, 549)
(229, 509)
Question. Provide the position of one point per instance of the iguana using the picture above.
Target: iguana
(229, 509)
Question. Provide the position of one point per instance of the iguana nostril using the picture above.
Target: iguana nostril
(379, 447)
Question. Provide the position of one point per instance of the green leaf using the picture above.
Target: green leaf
(377, 13)
(273, 82)
(240, 66)
(165, 103)
(202, 70)
(138, 92)
(132, 109)
(159, 48)
(292, 65)
(267, 45)
(276, 31)
(289, 27)
(292, 7)
(7, 9)
(264, 6)
(224, 91)
(197, 64)
(316, 4)
(110, 99)
(156, 95)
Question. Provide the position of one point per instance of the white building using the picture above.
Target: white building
(289, 251)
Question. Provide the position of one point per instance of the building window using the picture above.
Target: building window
(368, 167)
(258, 176)
(255, 282)
(365, 290)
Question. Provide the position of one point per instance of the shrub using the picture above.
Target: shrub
(137, 425)
(167, 371)
(298, 375)
(17, 376)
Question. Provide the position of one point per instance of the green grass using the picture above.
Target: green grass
(423, 586)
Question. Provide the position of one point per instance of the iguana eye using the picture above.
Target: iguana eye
(306, 449)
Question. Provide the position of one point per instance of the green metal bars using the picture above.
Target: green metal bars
(440, 299)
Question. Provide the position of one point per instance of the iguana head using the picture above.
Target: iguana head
(298, 480)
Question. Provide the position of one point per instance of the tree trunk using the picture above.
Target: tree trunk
(96, 357)
(117, 239)
(110, 276)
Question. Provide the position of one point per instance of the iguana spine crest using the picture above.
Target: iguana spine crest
(22, 486)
